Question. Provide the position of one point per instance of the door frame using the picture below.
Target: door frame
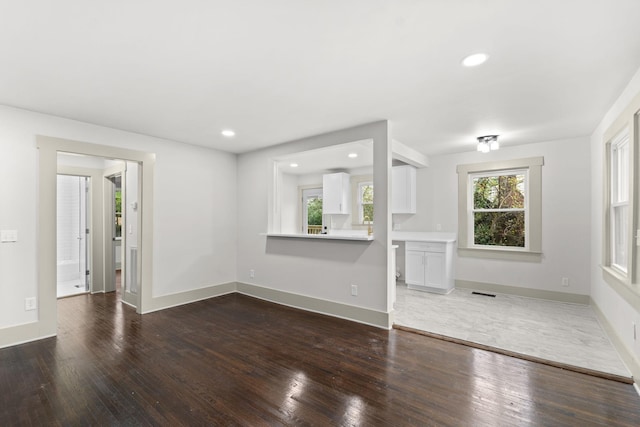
(48, 147)
(302, 206)
(109, 255)
(96, 277)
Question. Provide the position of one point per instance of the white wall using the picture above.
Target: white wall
(565, 215)
(319, 269)
(619, 313)
(290, 210)
(194, 208)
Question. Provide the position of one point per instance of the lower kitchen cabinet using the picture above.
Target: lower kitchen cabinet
(429, 266)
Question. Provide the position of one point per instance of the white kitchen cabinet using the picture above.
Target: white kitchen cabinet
(336, 193)
(429, 266)
(403, 190)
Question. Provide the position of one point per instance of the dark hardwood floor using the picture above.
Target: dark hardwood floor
(235, 360)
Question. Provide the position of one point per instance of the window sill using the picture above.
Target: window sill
(507, 255)
(630, 292)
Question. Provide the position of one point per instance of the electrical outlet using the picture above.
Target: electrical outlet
(565, 282)
(252, 273)
(438, 227)
(30, 304)
(354, 290)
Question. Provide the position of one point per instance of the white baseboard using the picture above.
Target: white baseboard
(524, 292)
(187, 297)
(316, 305)
(632, 364)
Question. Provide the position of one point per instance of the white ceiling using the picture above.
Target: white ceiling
(329, 159)
(279, 70)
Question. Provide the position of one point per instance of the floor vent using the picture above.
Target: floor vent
(483, 294)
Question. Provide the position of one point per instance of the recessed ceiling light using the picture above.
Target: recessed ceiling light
(353, 155)
(294, 165)
(228, 133)
(475, 59)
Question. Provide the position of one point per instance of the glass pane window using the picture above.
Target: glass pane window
(314, 215)
(365, 201)
(619, 203)
(619, 235)
(499, 208)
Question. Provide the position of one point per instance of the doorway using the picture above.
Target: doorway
(312, 218)
(113, 223)
(122, 191)
(48, 150)
(103, 192)
(73, 246)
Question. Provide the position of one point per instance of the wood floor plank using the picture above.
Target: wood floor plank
(236, 360)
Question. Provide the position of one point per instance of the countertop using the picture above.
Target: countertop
(358, 238)
(423, 236)
(402, 236)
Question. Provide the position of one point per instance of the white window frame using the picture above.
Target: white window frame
(472, 210)
(360, 202)
(619, 186)
(533, 216)
(626, 285)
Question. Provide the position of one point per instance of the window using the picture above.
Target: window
(619, 202)
(365, 202)
(312, 211)
(500, 209)
(621, 219)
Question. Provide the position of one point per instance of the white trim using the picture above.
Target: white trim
(533, 249)
(472, 210)
(352, 313)
(628, 359)
(619, 199)
(524, 292)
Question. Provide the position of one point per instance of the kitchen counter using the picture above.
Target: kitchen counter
(428, 258)
(423, 236)
(357, 238)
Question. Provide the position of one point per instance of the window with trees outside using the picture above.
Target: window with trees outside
(365, 202)
(500, 209)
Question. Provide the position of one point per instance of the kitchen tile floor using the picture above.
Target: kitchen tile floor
(561, 332)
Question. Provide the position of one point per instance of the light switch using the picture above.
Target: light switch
(8, 236)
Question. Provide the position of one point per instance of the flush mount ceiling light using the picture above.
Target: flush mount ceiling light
(488, 143)
(294, 165)
(475, 59)
(353, 155)
(228, 133)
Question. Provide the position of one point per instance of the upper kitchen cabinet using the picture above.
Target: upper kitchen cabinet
(336, 193)
(403, 190)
